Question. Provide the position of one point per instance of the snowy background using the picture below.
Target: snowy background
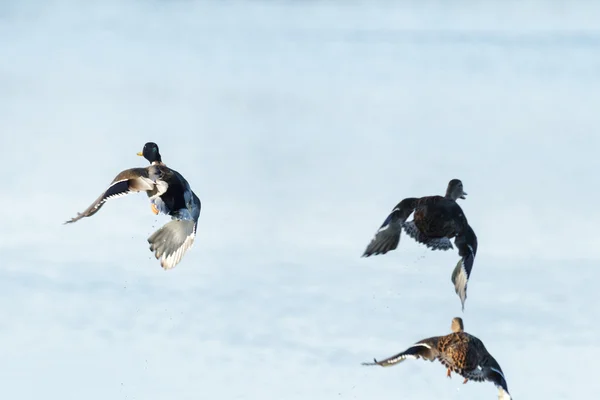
(300, 125)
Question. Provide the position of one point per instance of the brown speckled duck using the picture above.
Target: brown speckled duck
(436, 220)
(169, 194)
(459, 352)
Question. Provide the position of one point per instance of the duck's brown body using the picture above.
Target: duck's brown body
(438, 217)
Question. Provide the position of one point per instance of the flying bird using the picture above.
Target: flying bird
(460, 353)
(436, 220)
(169, 194)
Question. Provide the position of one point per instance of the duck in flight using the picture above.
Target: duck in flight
(169, 194)
(460, 353)
(436, 220)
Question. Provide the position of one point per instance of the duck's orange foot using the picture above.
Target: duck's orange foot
(465, 381)
(448, 374)
(154, 209)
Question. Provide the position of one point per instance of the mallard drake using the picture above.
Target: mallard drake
(459, 352)
(169, 194)
(436, 220)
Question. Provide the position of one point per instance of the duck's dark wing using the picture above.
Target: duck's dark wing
(426, 349)
(129, 181)
(387, 236)
(466, 243)
(496, 376)
(489, 370)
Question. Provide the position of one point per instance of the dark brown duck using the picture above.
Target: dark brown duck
(436, 220)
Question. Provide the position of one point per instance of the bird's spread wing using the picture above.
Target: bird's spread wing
(467, 249)
(490, 374)
(425, 349)
(129, 181)
(387, 236)
(171, 241)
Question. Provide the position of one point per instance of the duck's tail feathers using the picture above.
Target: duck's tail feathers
(171, 242)
(413, 231)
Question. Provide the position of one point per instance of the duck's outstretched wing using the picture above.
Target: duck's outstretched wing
(172, 241)
(426, 349)
(466, 243)
(496, 376)
(489, 370)
(387, 236)
(129, 181)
